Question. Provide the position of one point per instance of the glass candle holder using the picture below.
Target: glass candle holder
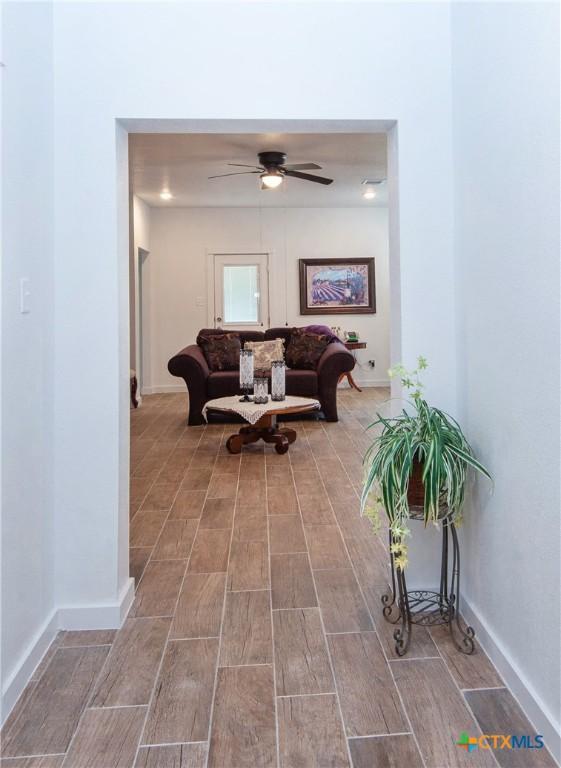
(260, 390)
(278, 380)
(246, 373)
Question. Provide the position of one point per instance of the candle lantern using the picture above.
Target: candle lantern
(278, 380)
(260, 389)
(246, 374)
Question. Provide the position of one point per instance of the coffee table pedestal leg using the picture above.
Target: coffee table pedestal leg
(265, 429)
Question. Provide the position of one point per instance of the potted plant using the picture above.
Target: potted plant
(420, 460)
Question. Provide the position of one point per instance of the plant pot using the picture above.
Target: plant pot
(416, 490)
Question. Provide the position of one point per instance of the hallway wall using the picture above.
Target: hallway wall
(507, 246)
(104, 88)
(27, 552)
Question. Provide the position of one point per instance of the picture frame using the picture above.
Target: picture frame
(337, 286)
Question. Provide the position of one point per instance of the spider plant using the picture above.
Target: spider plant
(425, 441)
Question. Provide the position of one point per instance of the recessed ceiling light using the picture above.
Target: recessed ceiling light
(369, 192)
(166, 194)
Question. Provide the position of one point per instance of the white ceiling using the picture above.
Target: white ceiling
(183, 162)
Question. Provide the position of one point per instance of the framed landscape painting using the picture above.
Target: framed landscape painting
(337, 287)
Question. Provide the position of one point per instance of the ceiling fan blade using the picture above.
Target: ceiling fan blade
(236, 173)
(309, 177)
(242, 165)
(303, 167)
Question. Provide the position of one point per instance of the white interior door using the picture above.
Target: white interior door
(241, 290)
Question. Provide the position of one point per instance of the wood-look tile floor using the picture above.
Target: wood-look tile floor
(256, 637)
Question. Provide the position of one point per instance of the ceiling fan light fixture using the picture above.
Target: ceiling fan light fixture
(272, 169)
(271, 179)
(165, 194)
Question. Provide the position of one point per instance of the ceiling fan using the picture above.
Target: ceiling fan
(272, 169)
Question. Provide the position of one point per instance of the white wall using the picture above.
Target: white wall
(506, 120)
(388, 61)
(181, 237)
(27, 342)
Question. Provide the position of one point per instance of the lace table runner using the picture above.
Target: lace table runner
(252, 412)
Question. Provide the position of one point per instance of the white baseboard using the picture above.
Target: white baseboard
(163, 389)
(364, 382)
(542, 719)
(26, 665)
(106, 616)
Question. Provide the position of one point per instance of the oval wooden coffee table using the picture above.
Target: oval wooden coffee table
(262, 420)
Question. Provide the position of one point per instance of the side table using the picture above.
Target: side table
(352, 345)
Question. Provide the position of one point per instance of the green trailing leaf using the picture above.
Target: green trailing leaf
(421, 435)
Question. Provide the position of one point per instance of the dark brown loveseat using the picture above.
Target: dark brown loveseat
(203, 384)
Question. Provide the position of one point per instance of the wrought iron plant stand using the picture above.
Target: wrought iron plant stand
(429, 608)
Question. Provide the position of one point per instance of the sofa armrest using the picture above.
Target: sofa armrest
(335, 361)
(190, 364)
(190, 359)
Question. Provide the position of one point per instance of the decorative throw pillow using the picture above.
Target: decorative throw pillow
(305, 349)
(221, 350)
(322, 330)
(265, 352)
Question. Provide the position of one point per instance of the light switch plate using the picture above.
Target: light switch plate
(24, 296)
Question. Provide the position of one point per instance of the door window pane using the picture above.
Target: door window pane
(241, 293)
